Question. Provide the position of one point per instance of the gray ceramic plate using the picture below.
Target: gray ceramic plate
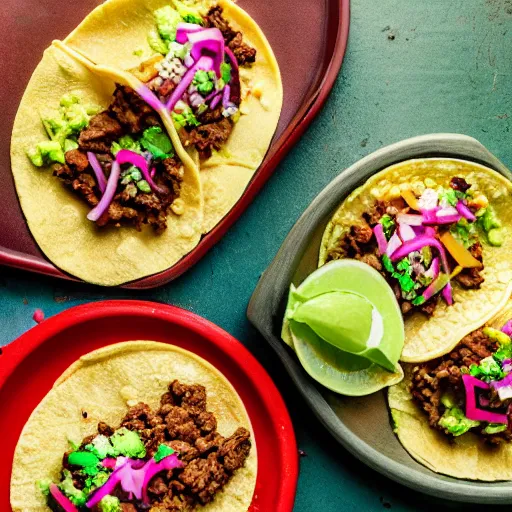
(362, 424)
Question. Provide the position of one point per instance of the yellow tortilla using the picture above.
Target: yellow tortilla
(428, 338)
(57, 217)
(115, 29)
(104, 383)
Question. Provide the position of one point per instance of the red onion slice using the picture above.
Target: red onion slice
(472, 411)
(184, 29)
(465, 211)
(125, 156)
(61, 499)
(108, 195)
(382, 243)
(98, 171)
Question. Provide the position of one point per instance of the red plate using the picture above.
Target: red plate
(309, 38)
(30, 365)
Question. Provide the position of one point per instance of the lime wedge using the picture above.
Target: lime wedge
(346, 327)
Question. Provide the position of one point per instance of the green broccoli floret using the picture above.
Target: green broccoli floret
(101, 447)
(388, 224)
(167, 20)
(93, 482)
(128, 444)
(110, 504)
(45, 153)
(454, 421)
(67, 486)
(189, 14)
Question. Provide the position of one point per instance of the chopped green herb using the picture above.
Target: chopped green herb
(143, 186)
(44, 486)
(101, 447)
(225, 72)
(388, 224)
(488, 369)
(388, 265)
(449, 196)
(419, 300)
(110, 504)
(126, 142)
(454, 421)
(167, 20)
(162, 452)
(93, 482)
(128, 443)
(185, 118)
(157, 142)
(188, 13)
(494, 428)
(156, 43)
(67, 486)
(204, 82)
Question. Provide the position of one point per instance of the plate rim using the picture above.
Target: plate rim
(308, 110)
(264, 307)
(13, 354)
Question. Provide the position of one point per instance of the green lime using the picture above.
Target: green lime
(346, 327)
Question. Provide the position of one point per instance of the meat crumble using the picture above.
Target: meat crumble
(183, 423)
(128, 114)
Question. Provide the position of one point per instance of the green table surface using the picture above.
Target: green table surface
(412, 67)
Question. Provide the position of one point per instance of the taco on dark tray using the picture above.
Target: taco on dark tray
(211, 65)
(134, 427)
(453, 413)
(439, 231)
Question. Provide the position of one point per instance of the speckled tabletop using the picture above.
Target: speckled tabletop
(412, 67)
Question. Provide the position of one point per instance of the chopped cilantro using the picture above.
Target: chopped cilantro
(388, 265)
(388, 224)
(162, 452)
(225, 71)
(488, 369)
(157, 142)
(449, 196)
(419, 300)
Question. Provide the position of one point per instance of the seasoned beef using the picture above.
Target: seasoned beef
(99, 135)
(77, 160)
(431, 379)
(243, 52)
(375, 213)
(208, 137)
(167, 88)
(471, 277)
(204, 477)
(208, 458)
(211, 116)
(132, 111)
(235, 449)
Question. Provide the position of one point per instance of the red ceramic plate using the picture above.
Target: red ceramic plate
(30, 365)
(309, 38)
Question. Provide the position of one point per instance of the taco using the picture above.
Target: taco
(212, 66)
(119, 172)
(453, 413)
(136, 426)
(438, 230)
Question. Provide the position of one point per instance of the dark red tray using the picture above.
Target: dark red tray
(30, 365)
(309, 38)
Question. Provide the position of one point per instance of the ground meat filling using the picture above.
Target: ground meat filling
(359, 243)
(183, 423)
(432, 379)
(128, 114)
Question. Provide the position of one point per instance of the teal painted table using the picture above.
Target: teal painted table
(411, 68)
